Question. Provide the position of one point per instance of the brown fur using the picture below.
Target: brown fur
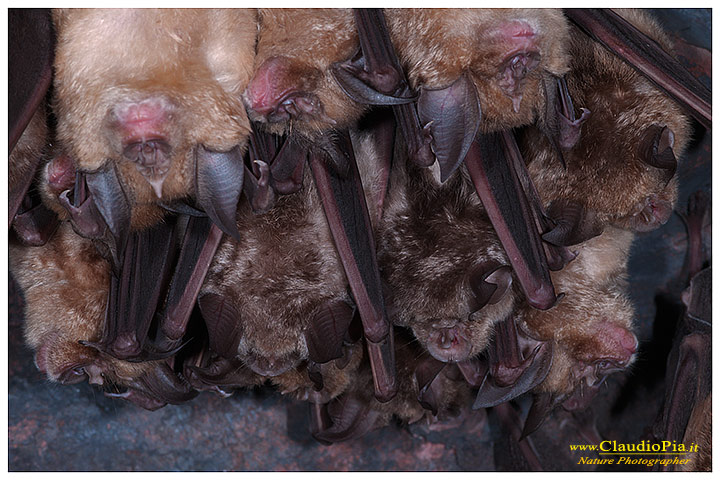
(281, 273)
(593, 319)
(430, 238)
(312, 40)
(436, 46)
(65, 286)
(605, 171)
(195, 62)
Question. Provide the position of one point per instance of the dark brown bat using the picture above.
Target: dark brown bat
(65, 285)
(447, 276)
(292, 91)
(686, 415)
(525, 48)
(428, 389)
(630, 143)
(31, 45)
(162, 108)
(32, 222)
(279, 297)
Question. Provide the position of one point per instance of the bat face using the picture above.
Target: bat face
(629, 142)
(65, 285)
(435, 244)
(147, 103)
(292, 83)
(592, 326)
(506, 53)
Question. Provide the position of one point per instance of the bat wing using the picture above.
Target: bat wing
(514, 370)
(500, 190)
(218, 185)
(327, 330)
(31, 48)
(341, 194)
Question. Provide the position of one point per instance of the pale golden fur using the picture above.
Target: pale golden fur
(65, 285)
(196, 62)
(436, 46)
(312, 39)
(585, 324)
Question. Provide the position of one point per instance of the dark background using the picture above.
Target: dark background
(54, 427)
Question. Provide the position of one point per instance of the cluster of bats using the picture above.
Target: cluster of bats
(383, 212)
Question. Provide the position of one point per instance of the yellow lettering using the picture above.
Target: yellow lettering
(665, 444)
(603, 443)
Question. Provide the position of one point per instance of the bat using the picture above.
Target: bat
(591, 329)
(634, 131)
(65, 286)
(161, 110)
(446, 274)
(428, 390)
(32, 221)
(686, 415)
(277, 301)
(292, 92)
(525, 48)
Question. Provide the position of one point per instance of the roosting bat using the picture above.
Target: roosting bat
(630, 143)
(279, 297)
(427, 389)
(292, 92)
(446, 274)
(65, 285)
(524, 53)
(32, 221)
(162, 108)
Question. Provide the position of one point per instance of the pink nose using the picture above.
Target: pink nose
(269, 85)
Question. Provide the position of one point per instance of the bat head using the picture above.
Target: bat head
(292, 87)
(146, 104)
(507, 52)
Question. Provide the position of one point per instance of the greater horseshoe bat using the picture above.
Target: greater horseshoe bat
(591, 329)
(630, 143)
(162, 108)
(65, 285)
(32, 221)
(446, 274)
(449, 117)
(292, 86)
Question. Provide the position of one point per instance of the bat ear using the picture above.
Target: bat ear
(656, 149)
(325, 334)
(452, 115)
(425, 374)
(489, 282)
(257, 188)
(218, 184)
(223, 324)
(573, 223)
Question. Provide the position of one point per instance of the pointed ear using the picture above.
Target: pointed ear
(327, 329)
(574, 223)
(656, 149)
(489, 282)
